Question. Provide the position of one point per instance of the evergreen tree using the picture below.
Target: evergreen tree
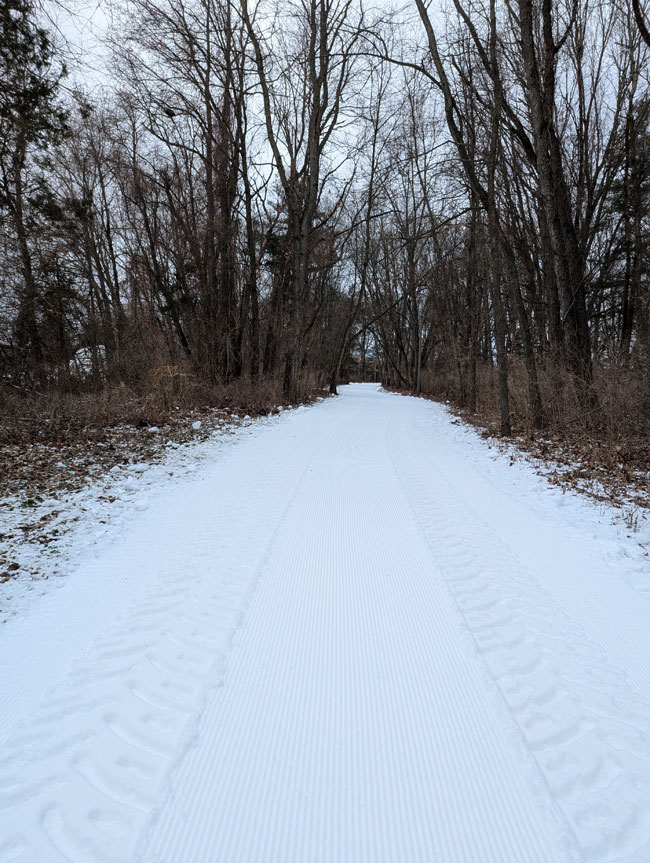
(31, 120)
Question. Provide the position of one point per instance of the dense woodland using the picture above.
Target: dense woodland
(451, 198)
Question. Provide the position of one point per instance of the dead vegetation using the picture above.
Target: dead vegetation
(84, 413)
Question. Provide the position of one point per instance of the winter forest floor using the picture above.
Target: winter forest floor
(353, 631)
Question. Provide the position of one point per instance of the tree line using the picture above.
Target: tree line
(452, 198)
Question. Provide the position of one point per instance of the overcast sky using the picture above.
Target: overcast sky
(81, 25)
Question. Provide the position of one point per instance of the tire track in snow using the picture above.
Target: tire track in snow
(576, 712)
(89, 764)
(354, 725)
(564, 540)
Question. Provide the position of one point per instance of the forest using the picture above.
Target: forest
(271, 198)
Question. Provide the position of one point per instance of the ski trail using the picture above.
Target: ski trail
(88, 766)
(327, 648)
(577, 713)
(354, 724)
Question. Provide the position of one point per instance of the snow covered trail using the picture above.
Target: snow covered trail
(353, 638)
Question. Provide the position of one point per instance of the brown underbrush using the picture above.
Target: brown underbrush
(86, 412)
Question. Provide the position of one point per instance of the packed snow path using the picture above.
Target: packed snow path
(341, 642)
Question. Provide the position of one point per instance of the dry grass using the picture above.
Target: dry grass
(60, 417)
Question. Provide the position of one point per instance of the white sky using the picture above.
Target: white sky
(81, 25)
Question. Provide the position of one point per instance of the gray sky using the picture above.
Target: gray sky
(81, 26)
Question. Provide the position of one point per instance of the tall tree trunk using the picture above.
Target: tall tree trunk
(28, 334)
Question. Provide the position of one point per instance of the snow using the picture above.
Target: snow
(196, 425)
(63, 530)
(353, 633)
(84, 361)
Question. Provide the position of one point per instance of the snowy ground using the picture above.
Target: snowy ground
(70, 501)
(355, 635)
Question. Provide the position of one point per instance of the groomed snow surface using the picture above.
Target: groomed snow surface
(356, 636)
